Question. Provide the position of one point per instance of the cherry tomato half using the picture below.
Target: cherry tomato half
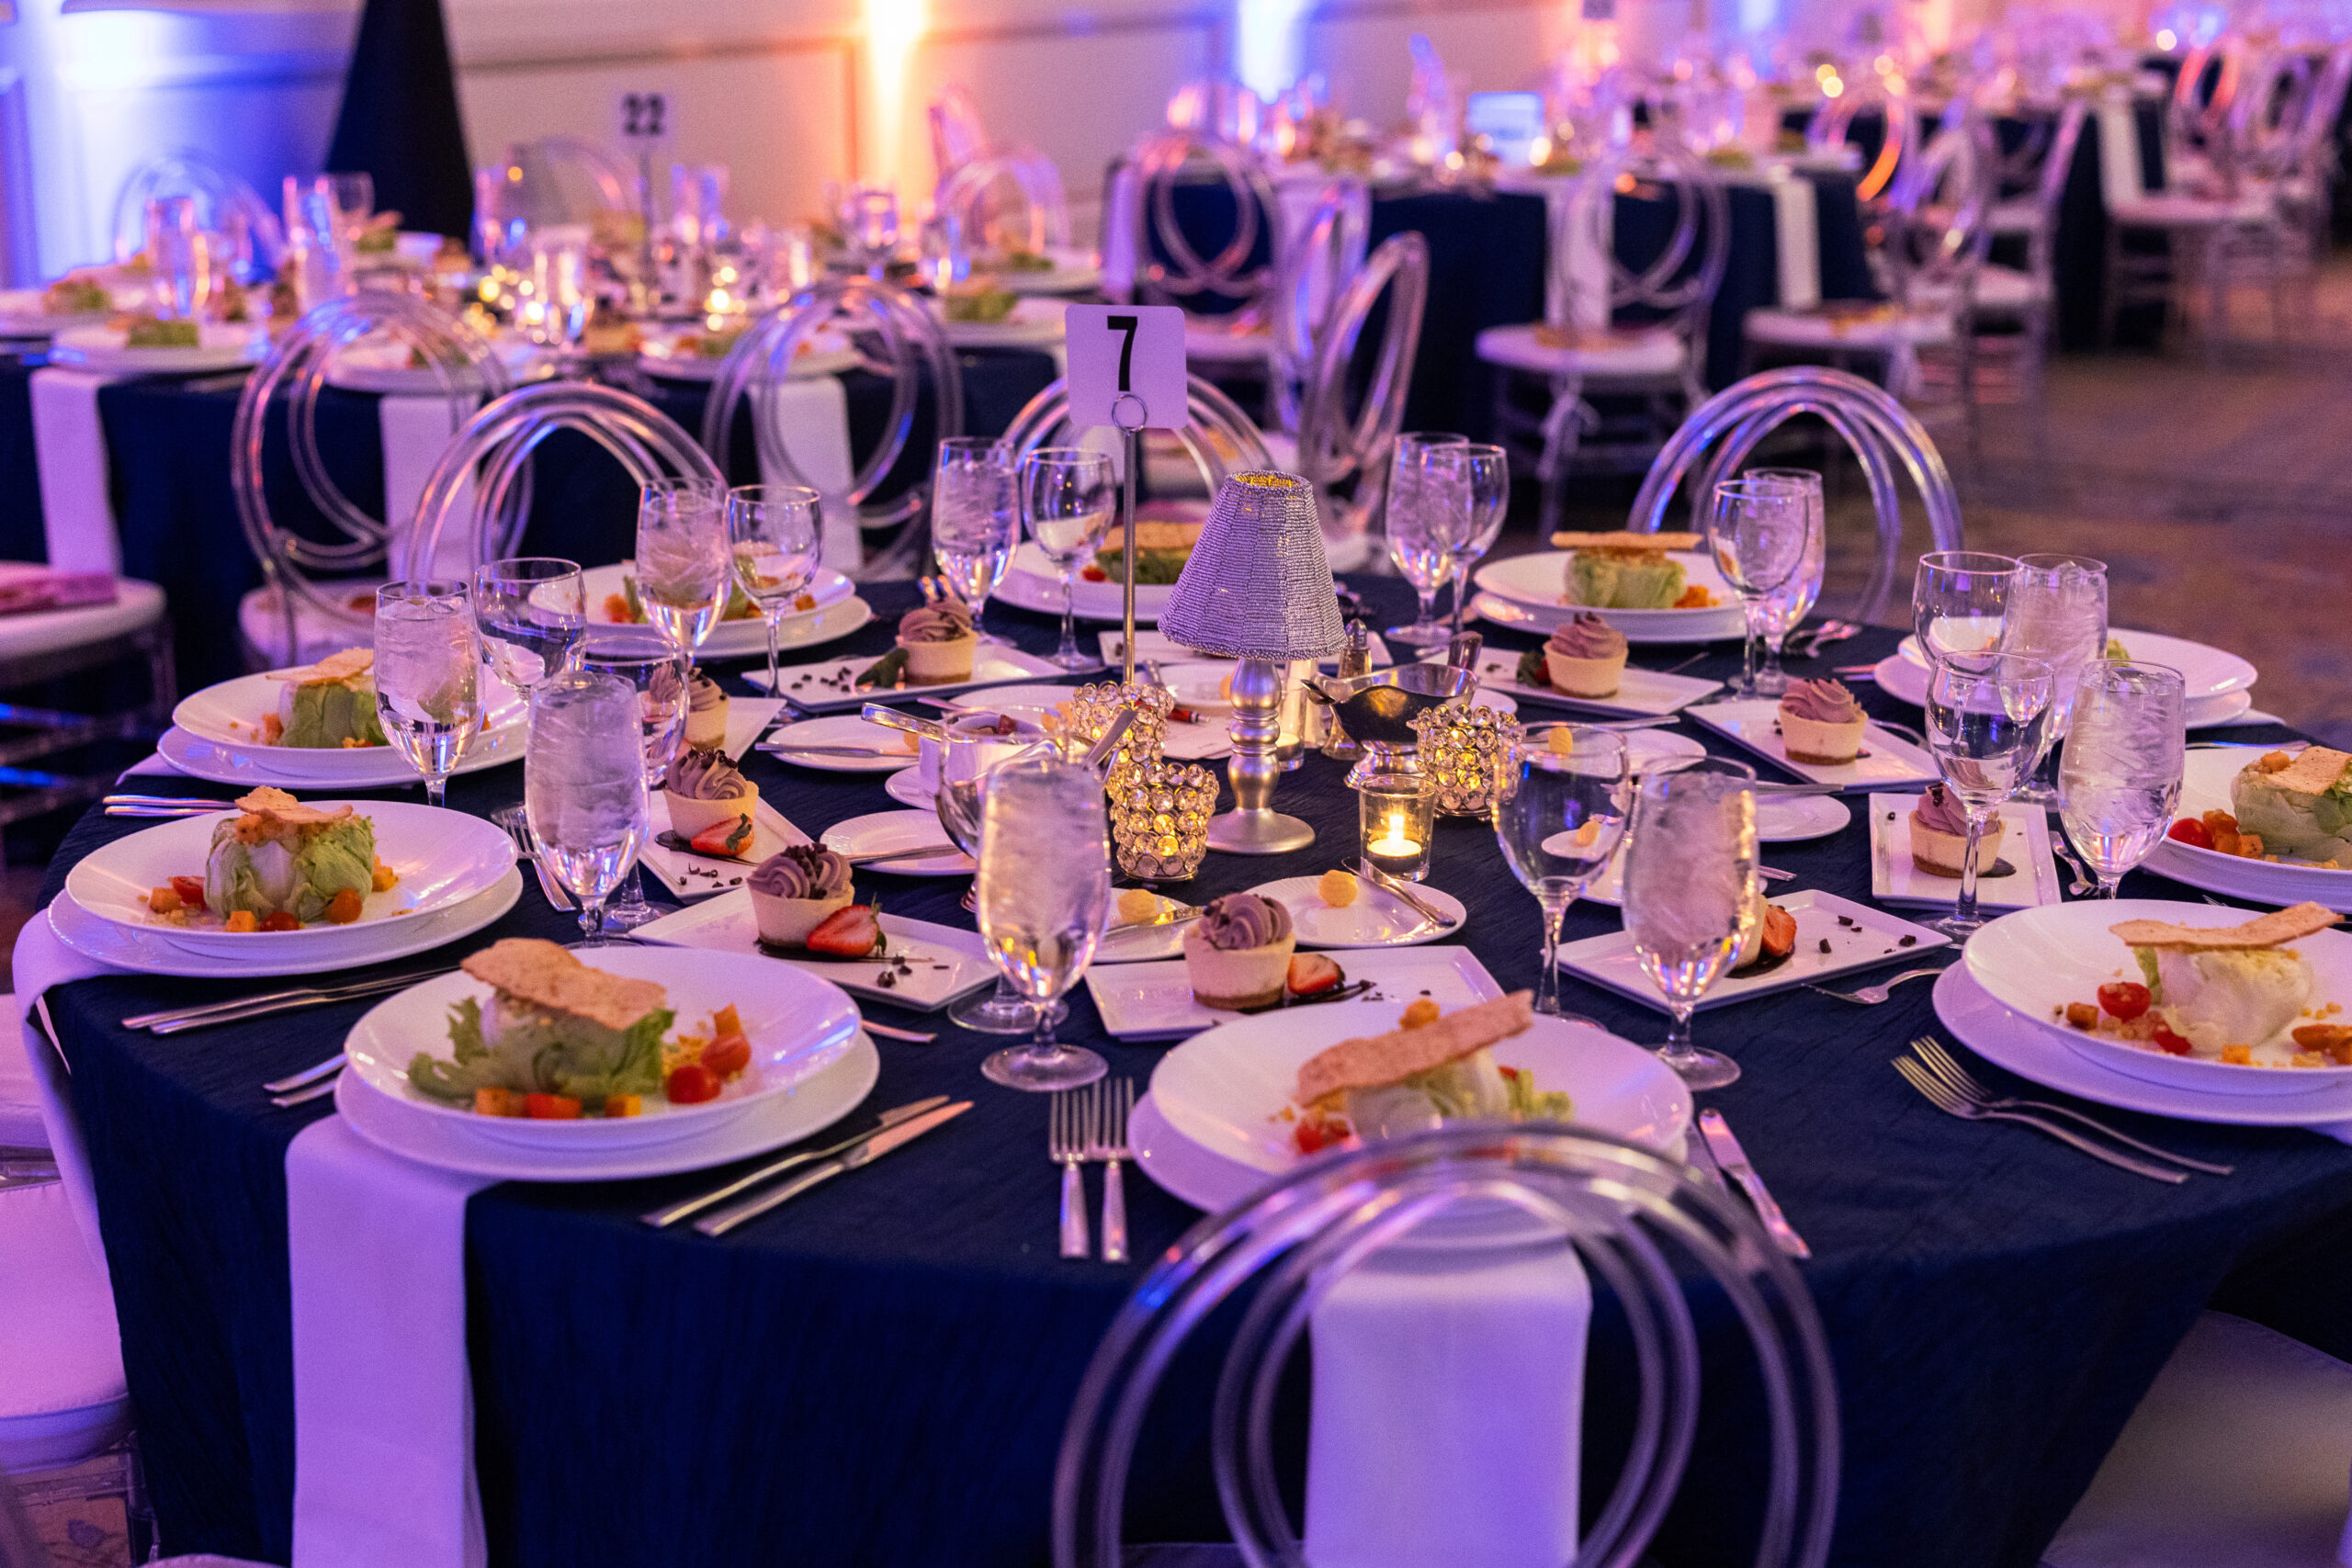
(691, 1083)
(726, 1055)
(2169, 1042)
(2189, 830)
(2123, 998)
(550, 1108)
(283, 920)
(190, 889)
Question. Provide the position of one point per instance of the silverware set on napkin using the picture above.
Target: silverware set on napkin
(1088, 1126)
(1949, 1087)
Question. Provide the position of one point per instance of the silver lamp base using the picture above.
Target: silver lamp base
(1259, 832)
(1254, 827)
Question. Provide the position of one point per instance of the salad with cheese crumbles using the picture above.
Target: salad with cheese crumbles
(2222, 993)
(278, 865)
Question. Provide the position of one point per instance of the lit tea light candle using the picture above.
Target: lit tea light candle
(1394, 816)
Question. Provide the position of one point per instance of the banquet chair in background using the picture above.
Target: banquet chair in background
(2017, 301)
(227, 208)
(1004, 203)
(902, 340)
(1167, 267)
(2210, 237)
(1869, 91)
(1723, 432)
(318, 592)
(1553, 1198)
(957, 134)
(1188, 463)
(1316, 267)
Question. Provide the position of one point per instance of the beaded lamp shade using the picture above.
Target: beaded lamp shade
(1258, 584)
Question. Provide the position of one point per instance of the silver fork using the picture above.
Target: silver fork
(1065, 1138)
(1871, 996)
(1944, 1097)
(1114, 1104)
(528, 846)
(1945, 1066)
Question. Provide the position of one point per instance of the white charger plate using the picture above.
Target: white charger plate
(1754, 723)
(224, 721)
(1526, 591)
(1643, 694)
(1858, 937)
(2205, 671)
(1153, 1001)
(906, 788)
(2025, 845)
(1905, 682)
(881, 831)
(1378, 919)
(2205, 786)
(829, 684)
(444, 858)
(127, 947)
(945, 963)
(840, 729)
(218, 348)
(744, 638)
(1031, 583)
(2036, 961)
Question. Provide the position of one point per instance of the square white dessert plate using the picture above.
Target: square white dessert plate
(690, 875)
(1153, 1001)
(2025, 845)
(928, 965)
(832, 683)
(1755, 723)
(1859, 938)
(1642, 694)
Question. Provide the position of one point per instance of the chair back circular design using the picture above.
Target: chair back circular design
(1218, 437)
(2276, 94)
(299, 567)
(1339, 447)
(482, 482)
(1833, 123)
(2050, 188)
(227, 207)
(1640, 1222)
(1317, 266)
(1723, 432)
(2204, 95)
(957, 133)
(1004, 202)
(1676, 289)
(903, 340)
(1169, 270)
(1939, 214)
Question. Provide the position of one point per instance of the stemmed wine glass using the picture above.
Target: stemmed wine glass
(1559, 817)
(644, 658)
(1987, 717)
(1044, 894)
(1413, 521)
(975, 521)
(772, 530)
(2119, 779)
(683, 564)
(532, 613)
(964, 764)
(2056, 612)
(1783, 609)
(1959, 599)
(1066, 501)
(1474, 482)
(428, 677)
(182, 274)
(1756, 530)
(1690, 894)
(583, 785)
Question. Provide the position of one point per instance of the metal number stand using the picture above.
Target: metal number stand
(1128, 406)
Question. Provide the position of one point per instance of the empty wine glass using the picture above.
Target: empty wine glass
(1559, 816)
(683, 564)
(1756, 530)
(1413, 521)
(964, 764)
(1987, 714)
(773, 532)
(975, 521)
(870, 218)
(583, 786)
(1472, 482)
(1044, 894)
(2056, 612)
(1957, 600)
(1066, 501)
(1784, 609)
(644, 658)
(428, 677)
(179, 259)
(2119, 769)
(1690, 894)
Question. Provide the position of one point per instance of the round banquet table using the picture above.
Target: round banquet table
(879, 1372)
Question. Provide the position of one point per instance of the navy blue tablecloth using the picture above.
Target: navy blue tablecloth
(878, 1374)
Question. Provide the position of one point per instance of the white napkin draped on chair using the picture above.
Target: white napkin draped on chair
(69, 452)
(414, 431)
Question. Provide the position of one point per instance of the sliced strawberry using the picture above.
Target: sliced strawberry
(1311, 973)
(1779, 932)
(730, 838)
(849, 932)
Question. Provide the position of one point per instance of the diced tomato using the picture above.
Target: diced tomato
(2189, 830)
(2169, 1042)
(1315, 1134)
(624, 1104)
(726, 1055)
(282, 921)
(191, 891)
(344, 907)
(2124, 1000)
(1095, 574)
(550, 1108)
(497, 1102)
(691, 1083)
(727, 1020)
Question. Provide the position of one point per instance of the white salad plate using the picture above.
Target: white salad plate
(1229, 1088)
(1153, 1001)
(381, 365)
(1755, 723)
(2205, 671)
(941, 962)
(832, 683)
(1074, 272)
(882, 831)
(1858, 937)
(824, 352)
(1140, 943)
(1378, 919)
(24, 313)
(1525, 592)
(1031, 583)
(1643, 694)
(810, 1107)
(104, 348)
(2205, 786)
(1031, 323)
(2036, 961)
(252, 765)
(748, 637)
(906, 788)
(444, 859)
(1210, 1182)
(222, 728)
(846, 732)
(693, 875)
(129, 947)
(2025, 845)
(1901, 679)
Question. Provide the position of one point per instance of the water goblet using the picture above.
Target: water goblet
(1474, 481)
(2118, 776)
(428, 677)
(683, 564)
(1756, 530)
(974, 520)
(1413, 525)
(1987, 715)
(773, 532)
(2056, 612)
(644, 658)
(1559, 816)
(1958, 601)
(1690, 894)
(583, 787)
(870, 223)
(1044, 894)
(1067, 501)
(179, 259)
(964, 764)
(532, 614)
(1784, 609)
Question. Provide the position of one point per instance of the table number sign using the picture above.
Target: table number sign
(644, 119)
(1127, 366)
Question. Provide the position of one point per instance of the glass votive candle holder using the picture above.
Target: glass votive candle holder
(1462, 747)
(1160, 826)
(1394, 810)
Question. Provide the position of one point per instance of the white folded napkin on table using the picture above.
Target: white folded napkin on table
(1796, 237)
(1119, 218)
(415, 432)
(70, 451)
(2118, 151)
(811, 413)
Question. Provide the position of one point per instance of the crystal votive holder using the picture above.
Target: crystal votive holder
(1159, 824)
(1092, 711)
(1395, 812)
(1461, 751)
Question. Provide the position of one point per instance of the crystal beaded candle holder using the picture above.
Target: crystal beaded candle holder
(1461, 748)
(1159, 828)
(1394, 811)
(1091, 710)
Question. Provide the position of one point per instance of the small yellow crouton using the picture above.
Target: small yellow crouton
(1419, 1013)
(1338, 888)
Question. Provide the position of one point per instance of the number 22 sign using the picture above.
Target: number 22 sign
(1126, 365)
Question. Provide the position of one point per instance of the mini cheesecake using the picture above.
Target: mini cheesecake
(1821, 723)
(1940, 836)
(795, 890)
(704, 789)
(1237, 953)
(706, 714)
(939, 641)
(1586, 658)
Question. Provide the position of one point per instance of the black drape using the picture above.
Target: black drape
(400, 121)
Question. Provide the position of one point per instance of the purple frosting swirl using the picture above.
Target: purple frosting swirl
(703, 695)
(704, 775)
(1821, 701)
(1240, 921)
(1939, 813)
(950, 620)
(801, 871)
(1586, 637)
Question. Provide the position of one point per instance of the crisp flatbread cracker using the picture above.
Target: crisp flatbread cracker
(548, 975)
(2313, 772)
(1370, 1061)
(340, 666)
(1624, 541)
(281, 806)
(2265, 930)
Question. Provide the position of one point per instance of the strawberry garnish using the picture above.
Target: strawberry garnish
(853, 932)
(725, 837)
(1311, 975)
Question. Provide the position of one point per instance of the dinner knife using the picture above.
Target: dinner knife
(787, 748)
(865, 1152)
(684, 1207)
(920, 852)
(1396, 888)
(1733, 1161)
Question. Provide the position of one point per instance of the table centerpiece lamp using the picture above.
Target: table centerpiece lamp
(1258, 588)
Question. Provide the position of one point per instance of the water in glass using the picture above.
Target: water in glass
(642, 657)
(2120, 770)
(1690, 894)
(2056, 612)
(532, 613)
(583, 785)
(682, 562)
(1987, 716)
(428, 676)
(1413, 521)
(1559, 815)
(975, 521)
(1783, 609)
(1044, 894)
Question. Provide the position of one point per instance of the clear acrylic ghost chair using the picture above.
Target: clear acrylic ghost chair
(2197, 116)
(1004, 202)
(554, 180)
(900, 338)
(1171, 271)
(1832, 126)
(227, 207)
(1317, 264)
(319, 587)
(1884, 436)
(2019, 301)
(957, 135)
(1188, 463)
(1645, 1230)
(478, 498)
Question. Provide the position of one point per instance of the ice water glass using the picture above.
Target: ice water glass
(772, 531)
(1559, 817)
(2056, 612)
(683, 564)
(1987, 717)
(1413, 524)
(1756, 531)
(179, 259)
(1473, 483)
(1044, 894)
(583, 785)
(1066, 504)
(974, 520)
(428, 677)
(1784, 609)
(556, 313)
(1959, 599)
(2120, 768)
(1689, 895)
(642, 657)
(964, 765)
(870, 223)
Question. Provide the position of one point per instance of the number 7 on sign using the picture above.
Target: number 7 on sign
(1127, 366)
